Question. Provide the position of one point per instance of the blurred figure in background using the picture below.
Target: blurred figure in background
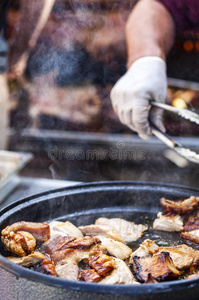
(33, 17)
(150, 34)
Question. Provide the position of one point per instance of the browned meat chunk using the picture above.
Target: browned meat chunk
(21, 243)
(129, 231)
(59, 243)
(168, 222)
(180, 207)
(68, 271)
(191, 222)
(45, 266)
(160, 267)
(89, 275)
(102, 263)
(40, 231)
(77, 250)
(101, 230)
(192, 236)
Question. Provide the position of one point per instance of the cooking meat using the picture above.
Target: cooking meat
(168, 222)
(120, 275)
(160, 267)
(115, 248)
(101, 230)
(128, 230)
(68, 271)
(89, 275)
(180, 207)
(102, 263)
(182, 255)
(193, 276)
(27, 261)
(58, 243)
(45, 266)
(77, 250)
(191, 222)
(63, 229)
(21, 243)
(192, 236)
(40, 231)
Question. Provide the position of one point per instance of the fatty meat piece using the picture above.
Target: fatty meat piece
(101, 230)
(63, 229)
(69, 271)
(115, 248)
(192, 236)
(129, 231)
(168, 222)
(27, 261)
(120, 275)
(191, 222)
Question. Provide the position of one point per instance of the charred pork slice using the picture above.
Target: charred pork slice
(121, 274)
(89, 275)
(168, 222)
(180, 207)
(129, 231)
(58, 243)
(191, 222)
(192, 236)
(20, 243)
(160, 267)
(101, 230)
(68, 271)
(77, 250)
(102, 263)
(182, 256)
(63, 229)
(115, 248)
(40, 231)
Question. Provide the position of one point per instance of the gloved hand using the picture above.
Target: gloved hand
(144, 81)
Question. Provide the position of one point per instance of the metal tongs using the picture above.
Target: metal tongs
(186, 114)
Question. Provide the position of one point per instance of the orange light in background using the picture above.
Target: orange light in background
(188, 46)
(179, 103)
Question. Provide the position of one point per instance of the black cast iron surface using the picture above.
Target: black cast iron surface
(82, 204)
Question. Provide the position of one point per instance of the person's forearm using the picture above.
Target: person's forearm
(150, 31)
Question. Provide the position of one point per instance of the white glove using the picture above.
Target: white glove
(144, 81)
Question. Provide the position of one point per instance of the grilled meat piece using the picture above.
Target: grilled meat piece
(101, 230)
(21, 243)
(27, 261)
(68, 271)
(160, 267)
(147, 248)
(192, 236)
(45, 266)
(128, 230)
(58, 243)
(102, 263)
(115, 248)
(168, 222)
(182, 256)
(77, 250)
(180, 207)
(120, 275)
(40, 231)
(90, 275)
(58, 229)
(191, 222)
(193, 276)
